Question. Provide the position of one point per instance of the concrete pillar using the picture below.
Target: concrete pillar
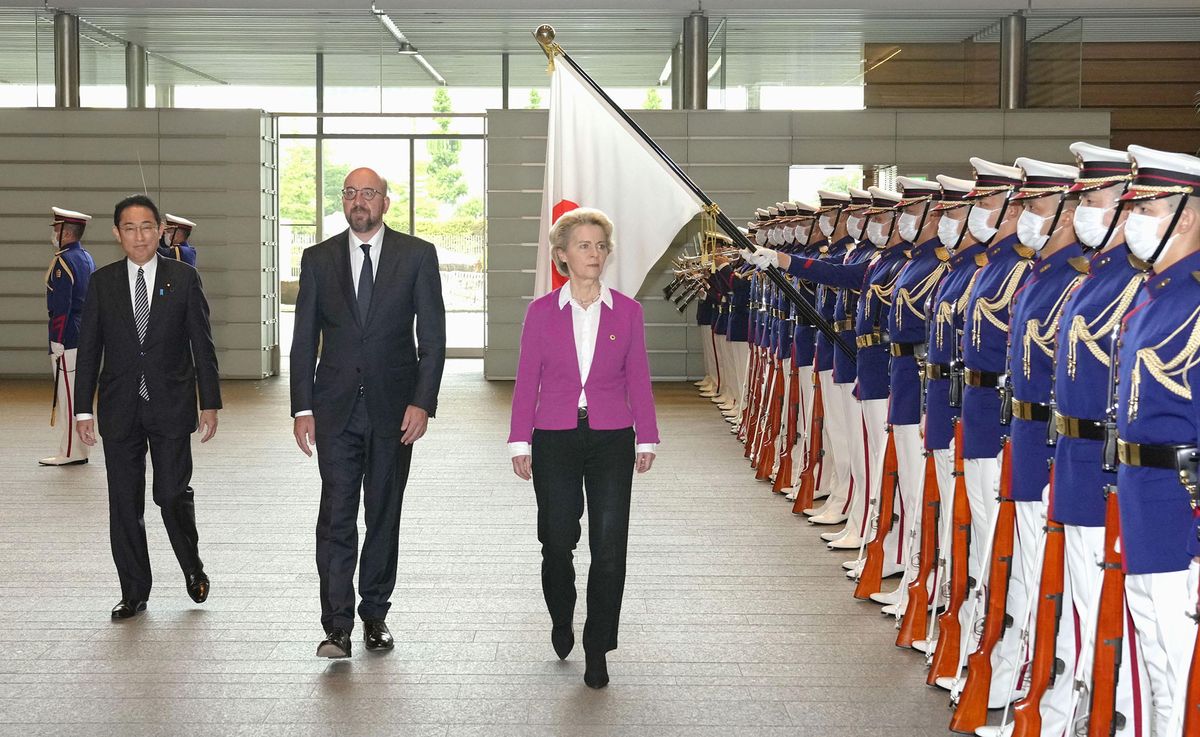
(66, 60)
(695, 61)
(677, 77)
(1012, 62)
(136, 62)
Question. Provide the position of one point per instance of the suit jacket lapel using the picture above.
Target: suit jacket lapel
(341, 260)
(124, 297)
(158, 299)
(566, 321)
(602, 341)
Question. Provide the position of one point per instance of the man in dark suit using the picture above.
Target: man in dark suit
(368, 399)
(146, 322)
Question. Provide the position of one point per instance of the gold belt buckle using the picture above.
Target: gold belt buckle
(1129, 453)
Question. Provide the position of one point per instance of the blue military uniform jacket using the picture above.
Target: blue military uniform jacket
(66, 288)
(739, 309)
(1089, 322)
(827, 301)
(1156, 407)
(947, 315)
(183, 252)
(907, 327)
(804, 335)
(985, 341)
(1036, 311)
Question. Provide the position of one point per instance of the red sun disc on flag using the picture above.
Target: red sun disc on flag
(561, 208)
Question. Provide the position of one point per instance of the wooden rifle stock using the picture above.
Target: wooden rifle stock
(783, 479)
(816, 450)
(971, 711)
(758, 378)
(945, 658)
(871, 579)
(916, 615)
(751, 388)
(1027, 717)
(765, 457)
(1110, 626)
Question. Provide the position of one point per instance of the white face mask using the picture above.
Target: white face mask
(876, 234)
(949, 230)
(760, 237)
(1089, 225)
(802, 234)
(854, 226)
(978, 221)
(1029, 230)
(1141, 233)
(907, 225)
(789, 234)
(825, 223)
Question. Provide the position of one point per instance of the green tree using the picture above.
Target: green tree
(443, 177)
(535, 100)
(842, 182)
(653, 100)
(297, 185)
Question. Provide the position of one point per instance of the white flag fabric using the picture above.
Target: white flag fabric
(596, 159)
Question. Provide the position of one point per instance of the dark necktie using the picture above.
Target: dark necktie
(366, 280)
(141, 318)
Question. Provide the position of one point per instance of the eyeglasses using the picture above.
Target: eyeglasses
(144, 229)
(368, 194)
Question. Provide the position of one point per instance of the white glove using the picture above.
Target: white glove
(763, 258)
(57, 349)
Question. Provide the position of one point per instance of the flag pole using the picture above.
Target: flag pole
(545, 37)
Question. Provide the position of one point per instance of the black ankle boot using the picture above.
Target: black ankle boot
(595, 675)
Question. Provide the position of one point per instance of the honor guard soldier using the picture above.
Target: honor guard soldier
(834, 482)
(66, 287)
(1087, 330)
(1045, 227)
(1157, 423)
(176, 234)
(992, 220)
(924, 266)
(943, 383)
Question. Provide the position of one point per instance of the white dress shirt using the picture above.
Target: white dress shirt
(149, 271)
(356, 263)
(585, 322)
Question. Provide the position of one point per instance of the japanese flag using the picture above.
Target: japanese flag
(596, 159)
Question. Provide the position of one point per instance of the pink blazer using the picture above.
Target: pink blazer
(546, 396)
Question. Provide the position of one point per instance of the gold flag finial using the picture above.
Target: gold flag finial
(545, 38)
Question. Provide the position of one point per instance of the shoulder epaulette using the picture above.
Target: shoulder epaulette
(942, 253)
(1079, 263)
(1024, 251)
(981, 260)
(1196, 275)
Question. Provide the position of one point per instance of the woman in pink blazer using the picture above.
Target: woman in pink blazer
(582, 421)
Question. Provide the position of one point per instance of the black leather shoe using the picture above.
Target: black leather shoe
(376, 635)
(595, 674)
(335, 645)
(197, 586)
(563, 639)
(127, 608)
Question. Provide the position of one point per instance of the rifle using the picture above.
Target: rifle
(1027, 717)
(767, 437)
(783, 479)
(545, 37)
(945, 658)
(870, 581)
(816, 450)
(58, 361)
(1110, 627)
(916, 615)
(973, 699)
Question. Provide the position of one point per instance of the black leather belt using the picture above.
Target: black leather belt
(904, 349)
(1034, 411)
(868, 340)
(1170, 457)
(936, 370)
(1075, 427)
(982, 379)
(843, 326)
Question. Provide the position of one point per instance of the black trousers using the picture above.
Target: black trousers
(567, 465)
(125, 464)
(359, 459)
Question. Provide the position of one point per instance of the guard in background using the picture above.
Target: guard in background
(176, 235)
(66, 287)
(1158, 424)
